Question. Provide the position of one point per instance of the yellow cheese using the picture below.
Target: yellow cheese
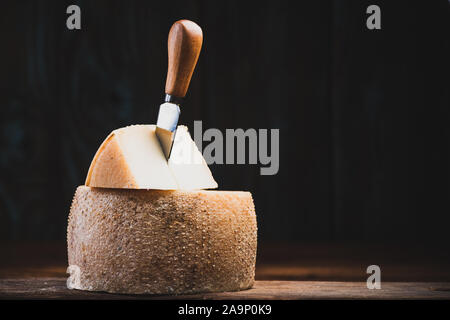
(132, 158)
(161, 242)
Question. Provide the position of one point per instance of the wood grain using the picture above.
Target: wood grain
(55, 288)
(38, 271)
(184, 45)
(363, 115)
(312, 262)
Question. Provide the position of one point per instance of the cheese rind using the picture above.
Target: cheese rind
(132, 158)
(161, 242)
(110, 167)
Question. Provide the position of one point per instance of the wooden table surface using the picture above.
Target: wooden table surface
(55, 288)
(37, 271)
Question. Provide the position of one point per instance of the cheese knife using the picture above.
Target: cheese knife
(184, 45)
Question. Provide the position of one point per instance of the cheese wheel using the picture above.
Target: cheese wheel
(161, 241)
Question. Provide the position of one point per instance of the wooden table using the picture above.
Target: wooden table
(55, 288)
(283, 272)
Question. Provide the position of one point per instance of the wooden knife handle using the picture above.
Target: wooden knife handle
(184, 45)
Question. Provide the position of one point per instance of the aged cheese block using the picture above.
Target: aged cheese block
(132, 158)
(160, 241)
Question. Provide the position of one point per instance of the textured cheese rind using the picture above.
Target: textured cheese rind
(110, 167)
(161, 242)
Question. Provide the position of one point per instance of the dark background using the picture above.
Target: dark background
(363, 115)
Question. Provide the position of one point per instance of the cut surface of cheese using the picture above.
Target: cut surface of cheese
(161, 242)
(132, 158)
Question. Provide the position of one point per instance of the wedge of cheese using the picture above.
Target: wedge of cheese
(161, 242)
(132, 158)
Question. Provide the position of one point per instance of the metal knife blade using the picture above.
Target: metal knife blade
(166, 126)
